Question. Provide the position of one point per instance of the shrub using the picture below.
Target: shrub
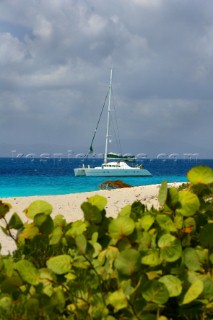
(144, 264)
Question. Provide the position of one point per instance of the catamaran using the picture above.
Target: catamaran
(111, 168)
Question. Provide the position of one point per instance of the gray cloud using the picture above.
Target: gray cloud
(55, 58)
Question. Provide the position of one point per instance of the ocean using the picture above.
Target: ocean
(29, 177)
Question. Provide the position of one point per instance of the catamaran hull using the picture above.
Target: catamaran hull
(117, 173)
(79, 172)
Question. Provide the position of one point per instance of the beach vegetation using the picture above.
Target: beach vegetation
(150, 264)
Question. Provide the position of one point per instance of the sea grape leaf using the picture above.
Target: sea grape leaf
(80, 263)
(97, 249)
(96, 245)
(166, 223)
(127, 287)
(121, 227)
(36, 207)
(108, 255)
(125, 211)
(189, 203)
(47, 274)
(200, 174)
(191, 277)
(29, 232)
(193, 292)
(8, 267)
(60, 264)
(191, 259)
(4, 209)
(128, 262)
(47, 278)
(137, 210)
(208, 287)
(173, 285)
(155, 274)
(117, 299)
(156, 292)
(154, 236)
(171, 248)
(44, 223)
(28, 272)
(206, 236)
(6, 303)
(15, 222)
(98, 201)
(78, 227)
(189, 224)
(11, 284)
(172, 197)
(91, 213)
(124, 243)
(98, 309)
(203, 255)
(81, 243)
(147, 221)
(178, 221)
(94, 237)
(56, 236)
(162, 195)
(152, 259)
(59, 221)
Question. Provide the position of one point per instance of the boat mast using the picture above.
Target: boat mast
(108, 119)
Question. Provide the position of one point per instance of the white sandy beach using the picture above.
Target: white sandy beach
(69, 205)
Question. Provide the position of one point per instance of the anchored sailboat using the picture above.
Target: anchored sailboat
(112, 168)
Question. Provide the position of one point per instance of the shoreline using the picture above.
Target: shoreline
(70, 205)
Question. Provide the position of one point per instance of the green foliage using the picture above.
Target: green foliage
(144, 264)
(4, 209)
(200, 174)
(27, 271)
(121, 227)
(156, 292)
(60, 264)
(162, 196)
(36, 207)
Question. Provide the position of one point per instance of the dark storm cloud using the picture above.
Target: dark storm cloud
(55, 58)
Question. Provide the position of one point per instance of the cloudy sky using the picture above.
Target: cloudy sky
(55, 60)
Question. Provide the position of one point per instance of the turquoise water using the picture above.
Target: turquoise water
(26, 186)
(27, 177)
